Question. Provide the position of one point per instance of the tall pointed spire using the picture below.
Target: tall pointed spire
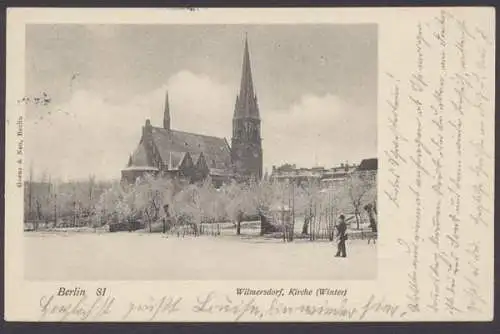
(166, 114)
(246, 103)
(246, 143)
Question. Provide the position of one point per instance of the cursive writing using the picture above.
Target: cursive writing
(254, 308)
(210, 304)
(394, 155)
(153, 307)
(83, 308)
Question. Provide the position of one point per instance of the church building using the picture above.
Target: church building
(194, 157)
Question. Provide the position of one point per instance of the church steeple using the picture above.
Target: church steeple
(246, 102)
(166, 114)
(246, 147)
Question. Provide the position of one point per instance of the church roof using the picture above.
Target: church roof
(195, 156)
(139, 157)
(368, 164)
(215, 150)
(175, 160)
(141, 168)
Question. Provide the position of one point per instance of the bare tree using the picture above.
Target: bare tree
(30, 191)
(307, 197)
(236, 197)
(114, 204)
(358, 187)
(91, 187)
(149, 195)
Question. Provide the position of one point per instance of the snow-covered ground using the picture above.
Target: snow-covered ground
(143, 256)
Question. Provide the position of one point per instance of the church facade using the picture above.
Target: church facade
(194, 157)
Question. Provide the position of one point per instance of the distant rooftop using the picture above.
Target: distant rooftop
(289, 169)
(368, 164)
(142, 168)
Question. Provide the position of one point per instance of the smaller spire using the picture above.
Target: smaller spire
(129, 161)
(166, 114)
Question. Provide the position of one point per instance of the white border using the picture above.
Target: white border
(385, 299)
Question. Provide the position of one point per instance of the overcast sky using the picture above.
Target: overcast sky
(316, 87)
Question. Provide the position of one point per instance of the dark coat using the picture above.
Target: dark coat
(342, 231)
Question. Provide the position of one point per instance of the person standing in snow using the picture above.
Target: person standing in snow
(342, 237)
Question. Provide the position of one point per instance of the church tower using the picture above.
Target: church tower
(166, 114)
(246, 144)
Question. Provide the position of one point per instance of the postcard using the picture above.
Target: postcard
(249, 165)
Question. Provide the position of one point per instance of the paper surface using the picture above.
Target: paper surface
(435, 146)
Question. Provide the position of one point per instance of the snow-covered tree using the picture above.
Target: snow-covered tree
(360, 189)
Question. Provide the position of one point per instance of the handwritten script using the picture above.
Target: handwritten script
(161, 308)
(444, 100)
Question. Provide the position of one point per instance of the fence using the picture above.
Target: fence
(44, 225)
(191, 229)
(321, 228)
(318, 227)
(363, 235)
(65, 222)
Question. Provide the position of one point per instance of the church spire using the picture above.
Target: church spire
(166, 114)
(246, 143)
(246, 104)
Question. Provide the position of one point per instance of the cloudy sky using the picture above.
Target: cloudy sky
(316, 86)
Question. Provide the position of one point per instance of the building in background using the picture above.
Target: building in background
(324, 177)
(367, 169)
(173, 153)
(320, 175)
(290, 173)
(337, 175)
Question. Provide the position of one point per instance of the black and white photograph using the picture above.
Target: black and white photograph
(163, 152)
(250, 165)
